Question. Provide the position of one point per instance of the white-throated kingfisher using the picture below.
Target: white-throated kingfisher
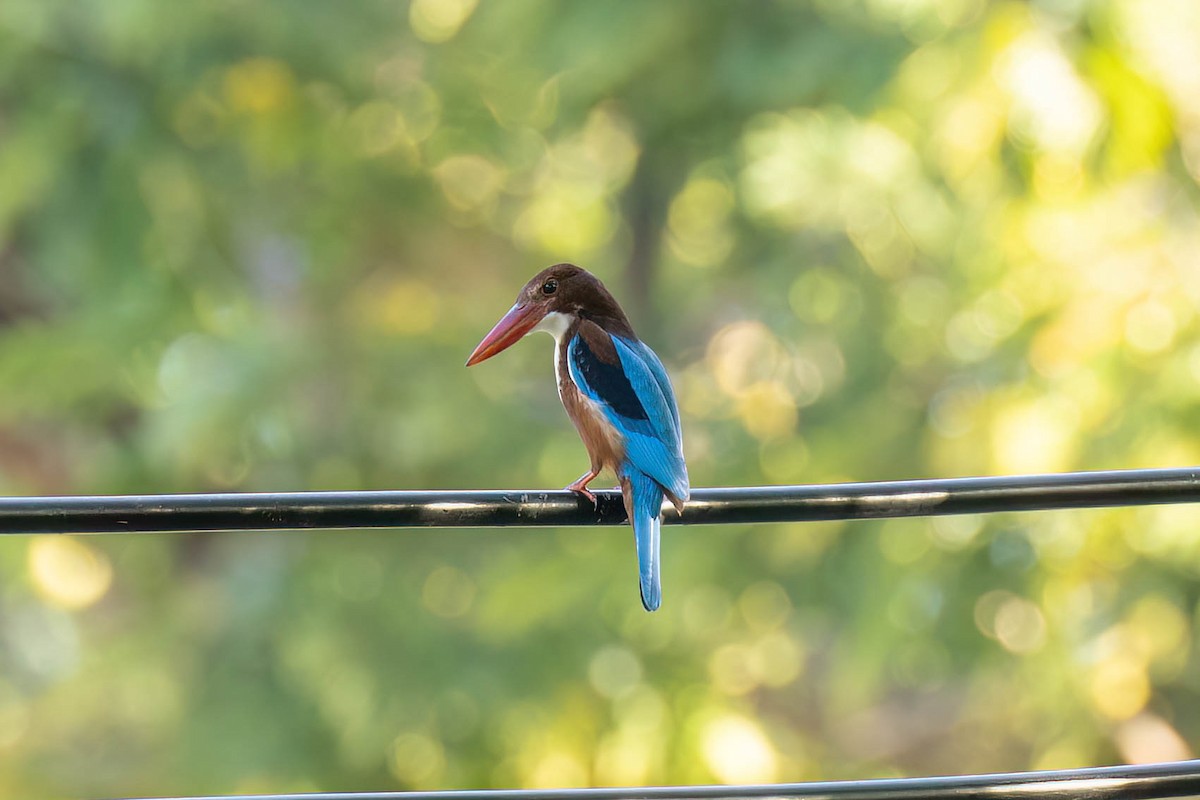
(616, 392)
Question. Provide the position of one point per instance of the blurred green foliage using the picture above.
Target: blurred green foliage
(247, 246)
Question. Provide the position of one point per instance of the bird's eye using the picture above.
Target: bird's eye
(550, 286)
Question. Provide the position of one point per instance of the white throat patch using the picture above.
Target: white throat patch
(555, 323)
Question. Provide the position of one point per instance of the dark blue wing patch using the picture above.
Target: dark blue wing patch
(608, 381)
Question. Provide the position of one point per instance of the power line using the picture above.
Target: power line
(1147, 781)
(486, 509)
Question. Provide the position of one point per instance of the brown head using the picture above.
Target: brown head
(551, 301)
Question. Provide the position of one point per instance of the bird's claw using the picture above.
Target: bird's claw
(580, 487)
(588, 494)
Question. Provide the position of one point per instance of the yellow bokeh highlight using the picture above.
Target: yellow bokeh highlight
(632, 753)
(395, 126)
(765, 605)
(928, 73)
(778, 660)
(625, 758)
(744, 354)
(259, 86)
(1159, 631)
(698, 222)
(695, 387)
(404, 306)
(1016, 623)
(1086, 327)
(1020, 626)
(1064, 754)
(791, 167)
(1149, 739)
(775, 660)
(571, 207)
(1120, 686)
(1036, 436)
(565, 218)
(469, 182)
(557, 768)
(437, 21)
(751, 366)
(1051, 107)
(829, 169)
(69, 573)
(736, 751)
(1057, 178)
(969, 131)
(606, 144)
(973, 333)
(767, 410)
(1163, 35)
(1150, 327)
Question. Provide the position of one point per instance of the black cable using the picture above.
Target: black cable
(1146, 781)
(480, 509)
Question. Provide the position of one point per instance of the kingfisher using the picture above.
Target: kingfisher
(616, 392)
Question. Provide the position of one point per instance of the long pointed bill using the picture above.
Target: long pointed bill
(519, 321)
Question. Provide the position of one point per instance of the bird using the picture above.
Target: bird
(616, 392)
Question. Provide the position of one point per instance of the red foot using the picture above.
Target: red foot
(580, 486)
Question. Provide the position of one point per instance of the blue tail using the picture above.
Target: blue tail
(646, 513)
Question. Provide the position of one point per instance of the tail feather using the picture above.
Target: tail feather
(645, 507)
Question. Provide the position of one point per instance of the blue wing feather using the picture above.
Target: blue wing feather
(650, 359)
(653, 443)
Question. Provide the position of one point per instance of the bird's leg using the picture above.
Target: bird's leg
(580, 486)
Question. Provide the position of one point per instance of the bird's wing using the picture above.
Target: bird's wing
(627, 381)
(649, 359)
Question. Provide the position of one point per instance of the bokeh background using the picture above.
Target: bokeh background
(248, 246)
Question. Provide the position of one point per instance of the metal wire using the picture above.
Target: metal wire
(1175, 779)
(304, 510)
(479, 509)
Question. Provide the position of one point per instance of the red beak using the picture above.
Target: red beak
(519, 321)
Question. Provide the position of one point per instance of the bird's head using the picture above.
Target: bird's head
(550, 302)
